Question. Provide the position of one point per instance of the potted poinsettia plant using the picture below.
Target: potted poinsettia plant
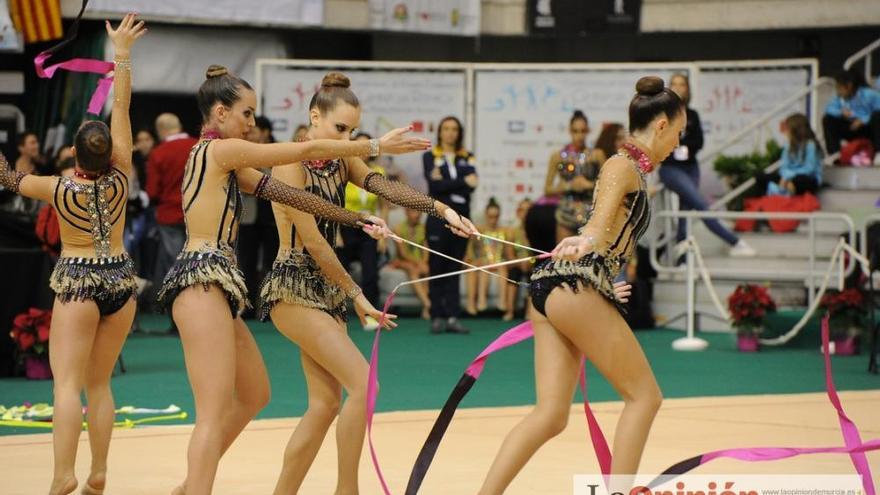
(847, 313)
(30, 332)
(749, 305)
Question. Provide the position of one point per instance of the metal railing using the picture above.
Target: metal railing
(863, 54)
(808, 275)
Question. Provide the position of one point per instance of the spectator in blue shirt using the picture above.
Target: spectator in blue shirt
(853, 113)
(801, 169)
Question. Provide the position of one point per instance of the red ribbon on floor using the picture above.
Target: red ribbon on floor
(78, 65)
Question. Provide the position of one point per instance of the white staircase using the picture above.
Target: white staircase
(849, 190)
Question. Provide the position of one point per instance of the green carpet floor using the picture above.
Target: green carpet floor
(418, 370)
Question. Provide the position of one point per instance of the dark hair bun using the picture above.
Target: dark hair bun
(649, 86)
(98, 143)
(216, 71)
(578, 114)
(335, 80)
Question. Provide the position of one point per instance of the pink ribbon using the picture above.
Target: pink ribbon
(511, 337)
(600, 445)
(854, 446)
(373, 391)
(81, 65)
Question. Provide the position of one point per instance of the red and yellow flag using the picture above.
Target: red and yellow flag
(38, 20)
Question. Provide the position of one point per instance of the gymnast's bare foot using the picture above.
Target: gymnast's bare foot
(95, 484)
(63, 486)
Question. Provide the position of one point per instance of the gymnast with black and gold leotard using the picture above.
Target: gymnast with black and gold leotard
(205, 290)
(306, 291)
(575, 310)
(93, 280)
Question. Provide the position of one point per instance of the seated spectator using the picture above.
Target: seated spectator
(412, 260)
(520, 271)
(801, 170)
(853, 113)
(480, 252)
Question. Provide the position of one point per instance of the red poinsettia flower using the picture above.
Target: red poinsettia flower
(749, 304)
(25, 341)
(41, 317)
(31, 331)
(23, 320)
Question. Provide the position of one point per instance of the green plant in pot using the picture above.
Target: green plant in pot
(736, 169)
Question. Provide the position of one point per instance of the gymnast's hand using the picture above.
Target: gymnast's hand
(377, 228)
(125, 34)
(363, 308)
(458, 224)
(395, 142)
(572, 248)
(622, 291)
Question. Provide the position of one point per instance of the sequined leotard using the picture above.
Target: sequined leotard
(306, 271)
(619, 218)
(92, 215)
(574, 206)
(303, 276)
(212, 210)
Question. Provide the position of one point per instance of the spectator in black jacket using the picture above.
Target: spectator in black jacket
(449, 170)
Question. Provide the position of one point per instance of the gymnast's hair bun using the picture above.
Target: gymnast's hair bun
(335, 80)
(649, 86)
(216, 71)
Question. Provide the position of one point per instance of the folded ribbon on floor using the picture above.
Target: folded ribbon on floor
(40, 416)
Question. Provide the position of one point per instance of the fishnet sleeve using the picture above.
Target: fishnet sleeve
(278, 192)
(10, 179)
(403, 195)
(617, 177)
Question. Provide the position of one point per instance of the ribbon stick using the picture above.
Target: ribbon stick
(78, 65)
